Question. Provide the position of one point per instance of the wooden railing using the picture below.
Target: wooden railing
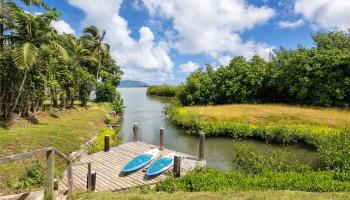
(50, 166)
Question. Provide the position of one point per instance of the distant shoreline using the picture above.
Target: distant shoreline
(132, 83)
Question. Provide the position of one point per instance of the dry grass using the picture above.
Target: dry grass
(270, 114)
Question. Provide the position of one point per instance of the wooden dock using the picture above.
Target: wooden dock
(107, 166)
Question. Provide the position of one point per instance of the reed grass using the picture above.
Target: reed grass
(272, 114)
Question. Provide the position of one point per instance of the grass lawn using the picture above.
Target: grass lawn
(272, 114)
(64, 130)
(251, 195)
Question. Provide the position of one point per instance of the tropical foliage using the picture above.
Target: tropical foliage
(105, 92)
(38, 65)
(98, 145)
(317, 76)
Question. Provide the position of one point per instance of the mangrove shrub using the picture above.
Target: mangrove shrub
(318, 76)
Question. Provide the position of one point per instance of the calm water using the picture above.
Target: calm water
(147, 113)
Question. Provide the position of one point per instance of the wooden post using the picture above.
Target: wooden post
(70, 178)
(201, 146)
(89, 179)
(93, 181)
(50, 154)
(177, 166)
(161, 138)
(136, 130)
(106, 149)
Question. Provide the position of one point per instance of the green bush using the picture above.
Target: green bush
(105, 92)
(98, 145)
(109, 119)
(316, 76)
(249, 160)
(118, 104)
(163, 90)
(33, 177)
(334, 152)
(253, 170)
(210, 179)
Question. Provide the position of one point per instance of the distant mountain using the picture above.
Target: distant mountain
(131, 83)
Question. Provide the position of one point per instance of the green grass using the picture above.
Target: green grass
(65, 130)
(211, 179)
(114, 140)
(234, 195)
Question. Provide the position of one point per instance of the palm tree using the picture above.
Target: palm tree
(94, 39)
(4, 21)
(5, 6)
(78, 54)
(31, 33)
(38, 3)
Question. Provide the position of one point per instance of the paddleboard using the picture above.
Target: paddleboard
(160, 165)
(140, 160)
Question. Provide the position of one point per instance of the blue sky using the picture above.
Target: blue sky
(159, 41)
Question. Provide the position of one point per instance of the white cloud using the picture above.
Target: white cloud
(326, 14)
(62, 27)
(291, 24)
(211, 27)
(189, 67)
(142, 59)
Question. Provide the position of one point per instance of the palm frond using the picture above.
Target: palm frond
(102, 36)
(90, 59)
(38, 3)
(92, 31)
(25, 56)
(60, 49)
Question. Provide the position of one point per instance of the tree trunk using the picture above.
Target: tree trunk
(63, 101)
(72, 102)
(1, 24)
(2, 98)
(19, 92)
(69, 96)
(54, 98)
(98, 68)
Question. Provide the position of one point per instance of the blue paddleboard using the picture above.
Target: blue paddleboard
(160, 165)
(140, 161)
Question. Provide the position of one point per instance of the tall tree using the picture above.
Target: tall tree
(37, 63)
(32, 32)
(95, 41)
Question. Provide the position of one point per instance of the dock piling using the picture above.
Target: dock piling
(106, 149)
(201, 146)
(177, 166)
(161, 138)
(50, 166)
(136, 130)
(89, 178)
(93, 180)
(70, 178)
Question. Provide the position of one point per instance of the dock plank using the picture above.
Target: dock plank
(108, 167)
